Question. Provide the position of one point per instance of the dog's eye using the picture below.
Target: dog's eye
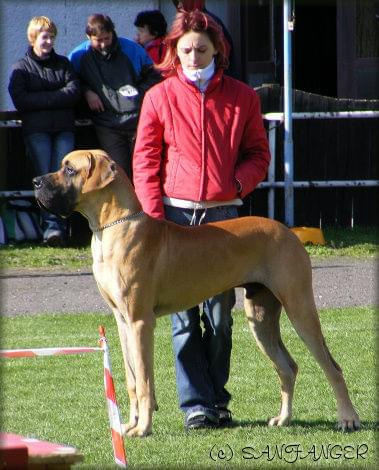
(69, 171)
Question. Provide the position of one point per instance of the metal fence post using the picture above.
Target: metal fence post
(271, 169)
(288, 25)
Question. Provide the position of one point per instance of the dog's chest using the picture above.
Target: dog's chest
(107, 277)
(97, 248)
(99, 266)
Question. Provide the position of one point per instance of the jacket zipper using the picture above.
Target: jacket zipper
(202, 176)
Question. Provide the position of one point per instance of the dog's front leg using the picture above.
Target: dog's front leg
(142, 331)
(126, 339)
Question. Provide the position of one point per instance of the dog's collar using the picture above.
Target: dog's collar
(118, 221)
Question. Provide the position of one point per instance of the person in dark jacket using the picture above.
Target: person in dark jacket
(151, 29)
(45, 89)
(115, 73)
(191, 5)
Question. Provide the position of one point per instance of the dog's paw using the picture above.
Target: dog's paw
(279, 421)
(138, 432)
(125, 428)
(349, 425)
(348, 419)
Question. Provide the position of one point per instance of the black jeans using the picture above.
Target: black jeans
(119, 145)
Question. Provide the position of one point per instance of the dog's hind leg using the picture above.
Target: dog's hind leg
(302, 312)
(263, 313)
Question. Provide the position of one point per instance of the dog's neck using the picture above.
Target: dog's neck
(116, 201)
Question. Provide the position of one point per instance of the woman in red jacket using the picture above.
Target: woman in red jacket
(201, 146)
(151, 29)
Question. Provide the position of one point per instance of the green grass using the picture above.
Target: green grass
(360, 242)
(32, 256)
(61, 398)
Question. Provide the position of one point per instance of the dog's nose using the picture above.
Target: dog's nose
(37, 182)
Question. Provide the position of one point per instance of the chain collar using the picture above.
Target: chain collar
(118, 221)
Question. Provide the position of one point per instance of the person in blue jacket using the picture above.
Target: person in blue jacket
(115, 73)
(45, 90)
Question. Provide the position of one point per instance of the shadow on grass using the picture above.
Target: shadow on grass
(320, 425)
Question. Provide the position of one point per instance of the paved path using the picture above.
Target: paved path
(338, 282)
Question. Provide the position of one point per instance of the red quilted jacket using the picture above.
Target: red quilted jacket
(156, 50)
(196, 146)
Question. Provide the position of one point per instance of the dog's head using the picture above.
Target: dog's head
(81, 172)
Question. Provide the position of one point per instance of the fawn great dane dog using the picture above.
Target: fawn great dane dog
(143, 268)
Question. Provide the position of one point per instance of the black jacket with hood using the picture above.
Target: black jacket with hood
(120, 78)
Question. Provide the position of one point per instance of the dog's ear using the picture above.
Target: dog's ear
(101, 172)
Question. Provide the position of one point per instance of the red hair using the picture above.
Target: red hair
(189, 5)
(200, 22)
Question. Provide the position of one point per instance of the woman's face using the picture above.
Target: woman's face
(195, 50)
(143, 35)
(43, 44)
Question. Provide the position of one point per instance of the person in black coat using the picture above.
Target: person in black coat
(45, 90)
(114, 73)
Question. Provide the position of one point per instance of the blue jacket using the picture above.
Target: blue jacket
(126, 67)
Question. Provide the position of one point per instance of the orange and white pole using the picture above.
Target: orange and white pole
(113, 411)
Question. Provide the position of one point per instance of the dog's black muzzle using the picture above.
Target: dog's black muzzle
(53, 197)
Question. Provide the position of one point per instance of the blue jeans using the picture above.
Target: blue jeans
(202, 355)
(46, 151)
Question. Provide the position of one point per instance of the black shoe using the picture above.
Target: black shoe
(224, 416)
(55, 239)
(201, 421)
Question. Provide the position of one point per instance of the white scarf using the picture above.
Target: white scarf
(201, 77)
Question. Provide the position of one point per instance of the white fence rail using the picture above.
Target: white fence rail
(273, 119)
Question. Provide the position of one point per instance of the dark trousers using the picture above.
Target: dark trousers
(46, 150)
(202, 355)
(119, 145)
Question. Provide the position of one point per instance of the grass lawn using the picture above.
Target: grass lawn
(360, 242)
(61, 398)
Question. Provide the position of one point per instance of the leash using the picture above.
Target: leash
(118, 221)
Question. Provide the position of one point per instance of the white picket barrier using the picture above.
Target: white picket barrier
(110, 392)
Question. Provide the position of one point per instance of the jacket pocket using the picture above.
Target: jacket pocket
(124, 100)
(170, 170)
